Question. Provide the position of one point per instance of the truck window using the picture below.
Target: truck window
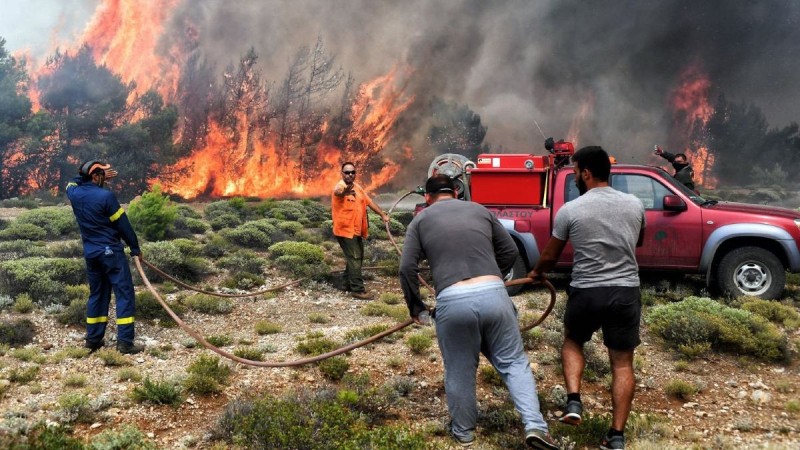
(646, 189)
(570, 189)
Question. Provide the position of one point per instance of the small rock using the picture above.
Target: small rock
(151, 435)
(96, 425)
(741, 394)
(689, 405)
(761, 397)
(558, 413)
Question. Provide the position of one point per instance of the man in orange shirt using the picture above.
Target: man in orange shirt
(349, 209)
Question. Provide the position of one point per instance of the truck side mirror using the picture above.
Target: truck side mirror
(674, 203)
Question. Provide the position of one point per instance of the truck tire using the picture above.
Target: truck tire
(751, 271)
(517, 271)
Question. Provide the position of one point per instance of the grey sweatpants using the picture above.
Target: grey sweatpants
(480, 318)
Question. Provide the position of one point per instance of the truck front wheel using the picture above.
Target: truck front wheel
(518, 271)
(751, 271)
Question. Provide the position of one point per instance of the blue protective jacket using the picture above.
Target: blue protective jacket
(102, 220)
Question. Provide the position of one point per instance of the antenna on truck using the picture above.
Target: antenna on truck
(540, 128)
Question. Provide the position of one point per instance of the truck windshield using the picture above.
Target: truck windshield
(677, 185)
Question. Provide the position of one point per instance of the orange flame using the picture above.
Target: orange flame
(229, 166)
(691, 112)
(124, 35)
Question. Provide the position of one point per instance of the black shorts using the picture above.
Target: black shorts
(615, 309)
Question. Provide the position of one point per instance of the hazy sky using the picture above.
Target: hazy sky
(511, 61)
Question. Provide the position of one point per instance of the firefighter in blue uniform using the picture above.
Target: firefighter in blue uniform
(104, 224)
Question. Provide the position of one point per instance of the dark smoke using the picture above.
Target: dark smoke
(516, 61)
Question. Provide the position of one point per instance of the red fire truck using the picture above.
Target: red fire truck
(741, 249)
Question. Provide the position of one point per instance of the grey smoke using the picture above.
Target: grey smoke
(516, 61)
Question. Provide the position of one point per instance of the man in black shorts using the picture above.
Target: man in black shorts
(605, 226)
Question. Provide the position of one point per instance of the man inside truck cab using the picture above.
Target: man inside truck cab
(604, 226)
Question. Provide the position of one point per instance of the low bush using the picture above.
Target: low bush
(148, 308)
(112, 358)
(315, 345)
(75, 407)
(128, 437)
(66, 249)
(217, 246)
(28, 354)
(23, 304)
(56, 221)
(318, 318)
(21, 248)
(419, 343)
(208, 304)
(360, 334)
(70, 352)
(680, 389)
(251, 353)
(128, 374)
(314, 422)
(243, 260)
(163, 392)
(221, 340)
(264, 327)
(75, 380)
(234, 206)
(44, 279)
(774, 312)
(17, 333)
(25, 231)
(334, 368)
(243, 281)
(41, 436)
(74, 313)
(22, 375)
(301, 259)
(224, 221)
(377, 229)
(702, 320)
(491, 376)
(247, 236)
(375, 309)
(210, 366)
(188, 247)
(167, 256)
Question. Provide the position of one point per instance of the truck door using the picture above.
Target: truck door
(672, 239)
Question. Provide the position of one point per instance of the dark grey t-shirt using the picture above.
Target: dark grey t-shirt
(460, 240)
(603, 226)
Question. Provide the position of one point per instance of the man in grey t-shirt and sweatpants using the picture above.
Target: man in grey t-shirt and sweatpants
(468, 250)
(605, 226)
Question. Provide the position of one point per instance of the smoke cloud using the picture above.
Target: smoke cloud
(517, 61)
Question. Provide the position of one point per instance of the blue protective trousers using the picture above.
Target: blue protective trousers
(107, 272)
(481, 318)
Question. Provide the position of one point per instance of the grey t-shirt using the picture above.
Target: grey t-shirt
(603, 226)
(461, 240)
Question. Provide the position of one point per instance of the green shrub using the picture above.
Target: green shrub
(377, 230)
(682, 390)
(74, 313)
(216, 246)
(208, 304)
(188, 247)
(28, 354)
(65, 249)
(41, 436)
(233, 206)
(195, 226)
(159, 392)
(112, 358)
(126, 438)
(44, 279)
(774, 312)
(23, 304)
(20, 248)
(701, 320)
(168, 257)
(315, 345)
(334, 368)
(148, 308)
(419, 343)
(26, 231)
(243, 261)
(391, 298)
(70, 352)
(222, 340)
(290, 227)
(128, 374)
(77, 291)
(75, 380)
(153, 214)
(187, 212)
(201, 385)
(247, 236)
(17, 333)
(75, 406)
(22, 375)
(243, 281)
(210, 366)
(309, 253)
(56, 221)
(490, 376)
(264, 327)
(224, 221)
(398, 312)
(297, 267)
(318, 318)
(360, 334)
(251, 353)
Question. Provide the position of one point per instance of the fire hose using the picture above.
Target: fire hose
(299, 362)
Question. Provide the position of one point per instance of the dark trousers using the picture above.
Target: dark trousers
(353, 250)
(108, 272)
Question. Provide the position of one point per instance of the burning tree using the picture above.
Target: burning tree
(15, 108)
